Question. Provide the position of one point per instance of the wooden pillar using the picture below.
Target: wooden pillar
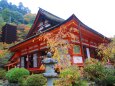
(88, 50)
(19, 56)
(80, 39)
(27, 58)
(39, 63)
(88, 53)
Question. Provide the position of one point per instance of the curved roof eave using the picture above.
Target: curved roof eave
(90, 29)
(71, 17)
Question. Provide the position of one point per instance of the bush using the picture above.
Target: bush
(2, 73)
(80, 82)
(97, 72)
(109, 77)
(110, 80)
(68, 76)
(22, 80)
(94, 72)
(36, 80)
(15, 73)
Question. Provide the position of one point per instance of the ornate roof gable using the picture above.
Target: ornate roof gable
(43, 21)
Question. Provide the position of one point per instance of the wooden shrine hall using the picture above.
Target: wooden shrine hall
(29, 53)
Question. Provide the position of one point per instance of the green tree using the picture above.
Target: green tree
(2, 23)
(4, 4)
(108, 51)
(12, 16)
(16, 17)
(12, 13)
(4, 56)
(22, 9)
(29, 18)
(13, 7)
(6, 14)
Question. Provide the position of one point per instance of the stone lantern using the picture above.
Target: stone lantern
(50, 73)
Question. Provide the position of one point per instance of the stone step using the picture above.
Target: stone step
(1, 83)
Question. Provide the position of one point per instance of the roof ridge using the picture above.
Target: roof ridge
(42, 10)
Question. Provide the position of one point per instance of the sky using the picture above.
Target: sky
(97, 14)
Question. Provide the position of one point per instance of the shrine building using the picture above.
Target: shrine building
(29, 53)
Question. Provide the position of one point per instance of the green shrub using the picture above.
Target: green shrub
(2, 73)
(36, 80)
(80, 82)
(110, 80)
(22, 80)
(15, 73)
(109, 77)
(97, 72)
(94, 71)
(68, 76)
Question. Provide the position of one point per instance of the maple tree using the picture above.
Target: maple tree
(58, 43)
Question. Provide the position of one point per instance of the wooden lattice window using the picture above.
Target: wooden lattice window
(76, 49)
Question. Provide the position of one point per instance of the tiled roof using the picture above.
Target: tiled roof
(50, 16)
(60, 22)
